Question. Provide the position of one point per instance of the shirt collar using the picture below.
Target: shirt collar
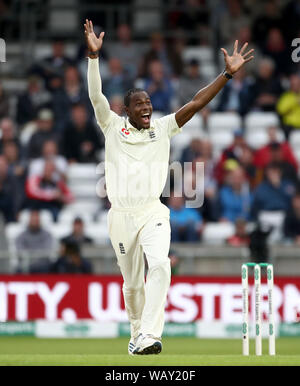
(130, 127)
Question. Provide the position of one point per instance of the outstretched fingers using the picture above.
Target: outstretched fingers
(224, 52)
(248, 53)
(88, 26)
(243, 48)
(248, 59)
(235, 47)
(91, 26)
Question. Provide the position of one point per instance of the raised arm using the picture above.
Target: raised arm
(99, 101)
(204, 96)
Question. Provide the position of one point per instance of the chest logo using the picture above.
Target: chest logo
(125, 131)
(152, 134)
(122, 248)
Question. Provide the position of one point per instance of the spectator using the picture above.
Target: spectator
(241, 237)
(16, 166)
(48, 192)
(190, 83)
(78, 234)
(262, 156)
(5, 12)
(288, 106)
(269, 18)
(52, 68)
(35, 240)
(276, 48)
(81, 139)
(291, 227)
(290, 16)
(8, 133)
(186, 223)
(288, 171)
(235, 152)
(274, 193)
(208, 159)
(159, 87)
(35, 98)
(117, 83)
(193, 180)
(17, 170)
(208, 209)
(246, 161)
(71, 261)
(8, 191)
(191, 17)
(4, 103)
(125, 50)
(49, 153)
(159, 52)
(267, 87)
(44, 132)
(193, 150)
(73, 92)
(232, 20)
(235, 196)
(237, 95)
(117, 104)
(176, 48)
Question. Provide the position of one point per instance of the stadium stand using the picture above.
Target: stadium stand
(180, 35)
(217, 122)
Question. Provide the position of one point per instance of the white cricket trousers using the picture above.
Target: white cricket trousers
(134, 232)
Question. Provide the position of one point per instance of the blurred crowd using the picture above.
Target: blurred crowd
(53, 123)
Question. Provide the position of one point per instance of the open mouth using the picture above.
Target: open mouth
(146, 119)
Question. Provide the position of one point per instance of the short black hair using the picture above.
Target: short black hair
(272, 166)
(193, 62)
(72, 247)
(129, 94)
(275, 146)
(77, 219)
(77, 104)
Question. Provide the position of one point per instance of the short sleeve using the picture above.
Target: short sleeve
(169, 124)
(114, 121)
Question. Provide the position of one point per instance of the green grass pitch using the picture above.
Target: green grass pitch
(113, 352)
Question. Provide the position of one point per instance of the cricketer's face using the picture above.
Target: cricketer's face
(140, 110)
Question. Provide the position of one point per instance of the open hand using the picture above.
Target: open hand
(238, 59)
(94, 43)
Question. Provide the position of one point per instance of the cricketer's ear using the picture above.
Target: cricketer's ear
(127, 111)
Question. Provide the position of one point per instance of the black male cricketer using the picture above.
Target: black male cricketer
(137, 151)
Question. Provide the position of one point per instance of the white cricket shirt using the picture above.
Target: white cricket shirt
(136, 161)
